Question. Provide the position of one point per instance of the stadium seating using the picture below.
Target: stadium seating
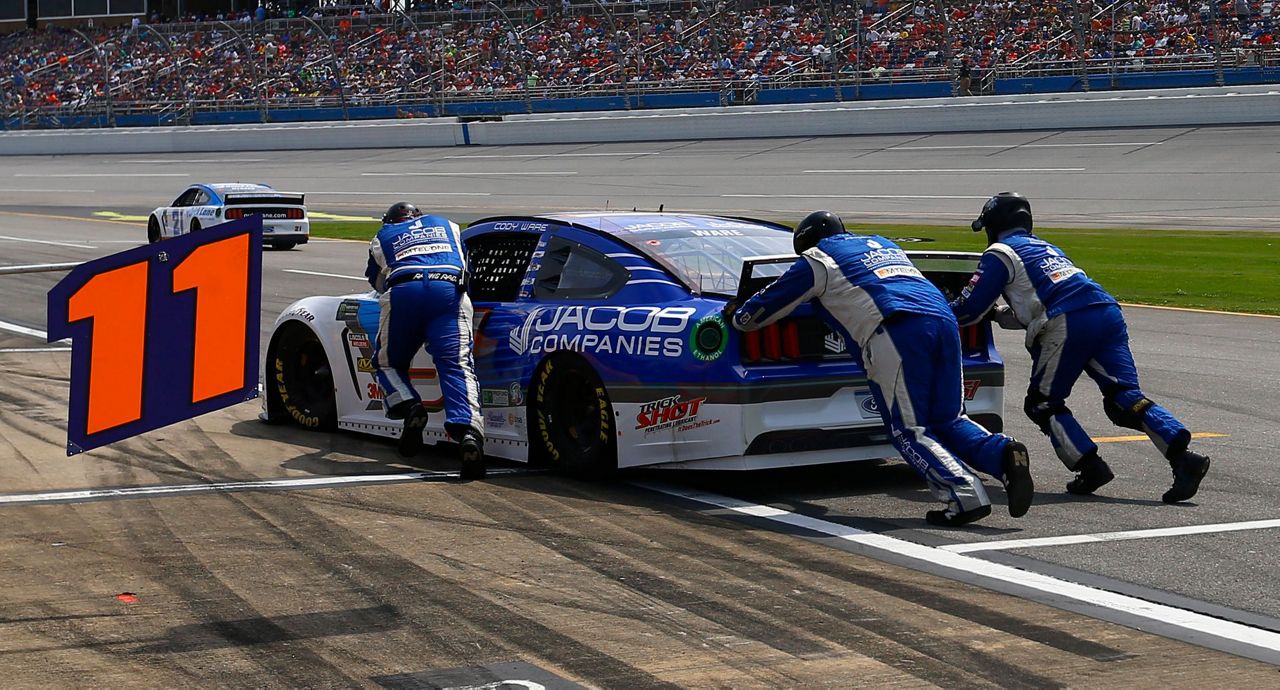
(569, 49)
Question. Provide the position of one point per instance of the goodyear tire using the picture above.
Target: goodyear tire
(302, 382)
(153, 230)
(573, 427)
(195, 226)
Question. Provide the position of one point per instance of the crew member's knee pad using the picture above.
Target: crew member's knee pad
(1125, 407)
(1040, 409)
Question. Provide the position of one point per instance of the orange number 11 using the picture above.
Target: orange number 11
(116, 300)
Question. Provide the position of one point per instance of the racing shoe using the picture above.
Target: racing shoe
(411, 435)
(1188, 470)
(1091, 474)
(471, 452)
(942, 518)
(1018, 486)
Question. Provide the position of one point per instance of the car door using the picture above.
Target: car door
(498, 263)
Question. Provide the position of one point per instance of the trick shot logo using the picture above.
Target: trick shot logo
(670, 412)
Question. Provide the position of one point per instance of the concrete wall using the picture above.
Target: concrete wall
(1167, 107)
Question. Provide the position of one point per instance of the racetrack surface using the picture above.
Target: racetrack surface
(1216, 178)
(617, 586)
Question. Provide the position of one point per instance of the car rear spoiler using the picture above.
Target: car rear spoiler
(962, 264)
(243, 198)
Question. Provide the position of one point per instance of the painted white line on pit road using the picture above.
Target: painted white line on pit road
(885, 171)
(79, 496)
(1202, 629)
(51, 242)
(1065, 540)
(23, 330)
(1020, 146)
(114, 174)
(323, 275)
(9, 350)
(554, 155)
(522, 173)
(348, 193)
(849, 196)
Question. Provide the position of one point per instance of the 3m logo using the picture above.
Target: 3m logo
(834, 342)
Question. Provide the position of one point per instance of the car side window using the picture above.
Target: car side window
(497, 263)
(574, 271)
(187, 197)
(202, 199)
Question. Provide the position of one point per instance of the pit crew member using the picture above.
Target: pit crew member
(417, 265)
(1073, 326)
(868, 291)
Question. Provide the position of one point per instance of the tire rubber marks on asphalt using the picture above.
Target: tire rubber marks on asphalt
(292, 483)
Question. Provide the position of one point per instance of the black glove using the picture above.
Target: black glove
(730, 308)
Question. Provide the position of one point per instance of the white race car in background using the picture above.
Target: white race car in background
(284, 215)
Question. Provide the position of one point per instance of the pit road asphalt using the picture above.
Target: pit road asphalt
(614, 585)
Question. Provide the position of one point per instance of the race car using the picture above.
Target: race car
(599, 344)
(284, 214)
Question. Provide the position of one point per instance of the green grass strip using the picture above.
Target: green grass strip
(1230, 271)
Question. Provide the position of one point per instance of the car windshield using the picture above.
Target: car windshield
(711, 260)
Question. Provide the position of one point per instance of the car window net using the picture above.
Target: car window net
(497, 264)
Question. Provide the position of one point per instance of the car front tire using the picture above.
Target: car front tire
(153, 230)
(301, 380)
(573, 427)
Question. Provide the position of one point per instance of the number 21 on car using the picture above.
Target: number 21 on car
(160, 333)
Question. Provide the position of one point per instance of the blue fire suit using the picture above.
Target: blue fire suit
(418, 268)
(1073, 326)
(869, 292)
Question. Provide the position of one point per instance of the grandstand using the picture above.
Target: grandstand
(470, 58)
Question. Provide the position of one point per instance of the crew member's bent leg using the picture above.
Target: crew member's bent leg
(1058, 357)
(904, 395)
(1113, 369)
(449, 342)
(400, 331)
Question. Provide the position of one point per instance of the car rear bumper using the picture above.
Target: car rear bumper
(292, 231)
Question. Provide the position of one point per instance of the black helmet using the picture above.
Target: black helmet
(1002, 213)
(816, 226)
(400, 212)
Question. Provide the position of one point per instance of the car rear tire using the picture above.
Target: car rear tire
(153, 230)
(195, 226)
(573, 427)
(284, 246)
(302, 380)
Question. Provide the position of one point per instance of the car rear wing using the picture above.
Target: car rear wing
(950, 271)
(259, 198)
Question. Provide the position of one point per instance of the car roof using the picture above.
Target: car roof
(225, 187)
(631, 225)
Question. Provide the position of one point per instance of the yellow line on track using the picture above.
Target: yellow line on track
(1139, 437)
(1200, 311)
(75, 218)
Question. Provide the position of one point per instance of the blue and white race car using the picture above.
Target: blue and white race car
(599, 345)
(284, 214)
